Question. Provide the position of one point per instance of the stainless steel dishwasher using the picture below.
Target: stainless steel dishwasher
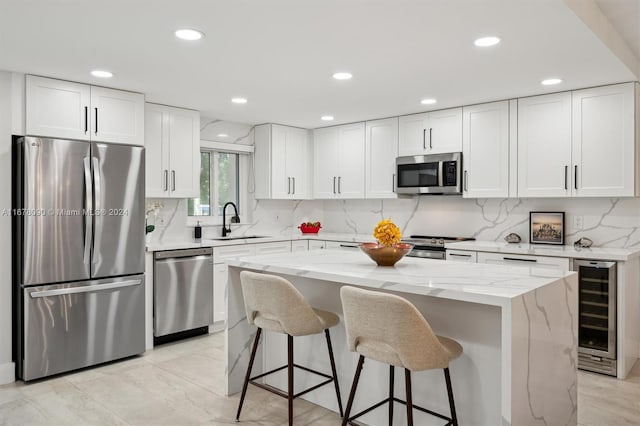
(183, 291)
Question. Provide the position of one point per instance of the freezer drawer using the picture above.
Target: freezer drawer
(183, 290)
(75, 325)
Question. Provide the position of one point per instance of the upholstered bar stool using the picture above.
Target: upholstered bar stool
(389, 329)
(274, 304)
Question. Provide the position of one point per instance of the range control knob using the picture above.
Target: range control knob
(441, 242)
(433, 241)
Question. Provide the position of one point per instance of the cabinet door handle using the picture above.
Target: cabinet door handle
(566, 179)
(466, 180)
(294, 185)
(393, 183)
(519, 260)
(339, 179)
(173, 180)
(96, 120)
(166, 180)
(424, 138)
(459, 255)
(334, 184)
(86, 119)
(430, 138)
(575, 176)
(288, 185)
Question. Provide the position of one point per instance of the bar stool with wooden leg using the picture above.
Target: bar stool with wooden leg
(389, 329)
(272, 303)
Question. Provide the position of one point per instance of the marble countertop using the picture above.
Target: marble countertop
(596, 253)
(205, 242)
(470, 282)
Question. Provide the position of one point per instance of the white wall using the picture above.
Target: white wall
(7, 368)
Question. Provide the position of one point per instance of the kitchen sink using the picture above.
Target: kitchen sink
(239, 237)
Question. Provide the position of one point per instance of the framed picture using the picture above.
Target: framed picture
(546, 228)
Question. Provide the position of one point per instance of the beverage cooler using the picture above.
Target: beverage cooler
(597, 310)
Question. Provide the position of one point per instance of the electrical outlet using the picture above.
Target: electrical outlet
(577, 222)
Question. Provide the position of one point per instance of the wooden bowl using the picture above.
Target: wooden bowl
(385, 255)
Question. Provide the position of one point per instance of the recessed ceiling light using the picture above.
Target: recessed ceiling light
(429, 101)
(189, 34)
(326, 118)
(101, 73)
(239, 100)
(342, 75)
(222, 135)
(551, 81)
(487, 41)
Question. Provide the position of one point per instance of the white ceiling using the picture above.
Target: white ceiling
(280, 54)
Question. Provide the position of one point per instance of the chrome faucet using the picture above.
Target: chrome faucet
(234, 219)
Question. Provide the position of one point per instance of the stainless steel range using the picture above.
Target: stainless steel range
(430, 247)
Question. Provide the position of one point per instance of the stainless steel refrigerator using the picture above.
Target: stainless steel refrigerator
(78, 238)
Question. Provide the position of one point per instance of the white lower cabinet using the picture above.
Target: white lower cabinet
(273, 248)
(317, 245)
(220, 272)
(220, 277)
(462, 256)
(342, 245)
(559, 263)
(299, 245)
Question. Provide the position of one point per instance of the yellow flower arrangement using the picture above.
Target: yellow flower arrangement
(387, 233)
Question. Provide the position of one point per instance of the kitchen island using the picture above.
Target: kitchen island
(517, 325)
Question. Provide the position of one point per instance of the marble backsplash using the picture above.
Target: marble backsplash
(613, 222)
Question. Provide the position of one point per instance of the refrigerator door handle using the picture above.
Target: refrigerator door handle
(88, 214)
(97, 214)
(85, 289)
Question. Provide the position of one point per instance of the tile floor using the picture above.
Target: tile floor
(182, 384)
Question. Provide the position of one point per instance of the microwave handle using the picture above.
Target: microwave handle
(440, 172)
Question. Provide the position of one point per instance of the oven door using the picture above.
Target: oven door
(428, 254)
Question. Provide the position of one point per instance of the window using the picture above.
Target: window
(219, 183)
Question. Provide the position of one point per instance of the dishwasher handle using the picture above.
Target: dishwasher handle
(172, 254)
(186, 259)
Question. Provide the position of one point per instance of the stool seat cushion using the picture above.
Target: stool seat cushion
(326, 320)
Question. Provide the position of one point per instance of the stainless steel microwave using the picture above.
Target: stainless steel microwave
(429, 174)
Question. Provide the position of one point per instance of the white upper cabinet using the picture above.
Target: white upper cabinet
(603, 148)
(433, 132)
(485, 150)
(339, 158)
(351, 147)
(544, 146)
(325, 162)
(380, 163)
(62, 109)
(172, 141)
(56, 108)
(117, 116)
(282, 162)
